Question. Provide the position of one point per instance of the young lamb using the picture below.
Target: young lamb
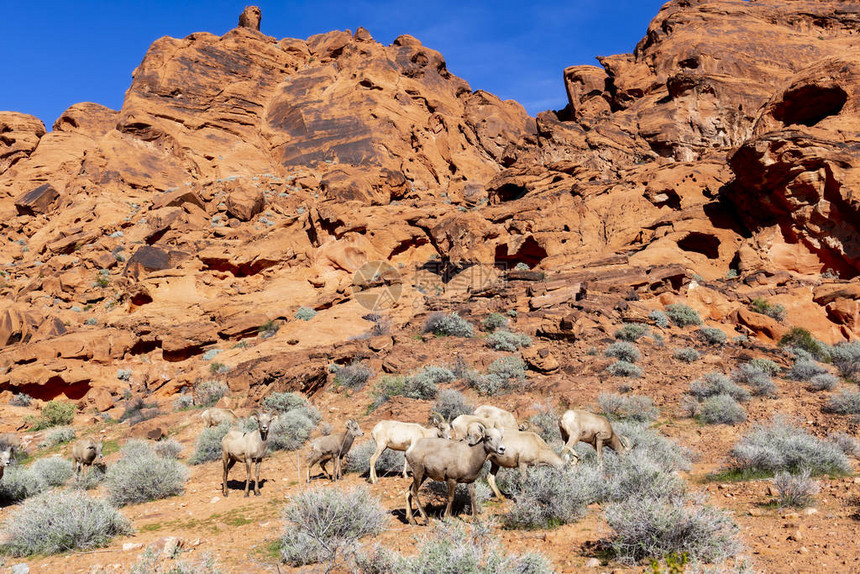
(215, 416)
(85, 452)
(333, 447)
(522, 449)
(452, 462)
(583, 426)
(400, 436)
(248, 447)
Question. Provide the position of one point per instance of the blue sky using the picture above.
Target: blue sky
(55, 54)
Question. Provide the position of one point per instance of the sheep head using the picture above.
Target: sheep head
(443, 427)
(5, 456)
(353, 428)
(264, 421)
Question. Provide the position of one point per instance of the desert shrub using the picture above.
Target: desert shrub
(722, 409)
(652, 528)
(170, 448)
(19, 483)
(283, 402)
(494, 321)
(623, 351)
(451, 325)
(659, 317)
(845, 403)
(683, 315)
(20, 400)
(631, 332)
(765, 307)
(153, 561)
(325, 525)
(712, 384)
(765, 365)
(846, 357)
(758, 380)
(506, 341)
(796, 490)
(292, 429)
(712, 335)
(90, 478)
(183, 402)
(451, 404)
(209, 444)
(634, 407)
(545, 423)
(782, 446)
(54, 413)
(822, 382)
(624, 369)
(462, 500)
(57, 436)
(305, 314)
(388, 386)
(804, 370)
(547, 498)
(140, 475)
(800, 338)
(654, 446)
(846, 443)
(358, 459)
(208, 393)
(353, 376)
(689, 407)
(503, 376)
(424, 383)
(137, 410)
(61, 521)
(687, 354)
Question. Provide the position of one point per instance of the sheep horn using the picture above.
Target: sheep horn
(525, 426)
(435, 414)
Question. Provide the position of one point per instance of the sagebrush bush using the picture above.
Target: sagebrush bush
(683, 315)
(152, 561)
(659, 317)
(140, 475)
(758, 380)
(504, 375)
(90, 478)
(424, 383)
(712, 384)
(782, 446)
(57, 436)
(353, 376)
(655, 446)
(292, 429)
(796, 490)
(545, 423)
(390, 462)
(689, 407)
(800, 338)
(54, 413)
(547, 498)
(624, 369)
(804, 370)
(60, 521)
(765, 307)
(19, 482)
(183, 402)
(208, 393)
(765, 365)
(324, 525)
(652, 528)
(687, 354)
(305, 314)
(137, 410)
(844, 403)
(712, 335)
(494, 321)
(283, 402)
(846, 443)
(20, 400)
(451, 325)
(451, 404)
(501, 340)
(169, 448)
(722, 409)
(209, 444)
(631, 332)
(623, 351)
(635, 407)
(462, 500)
(822, 382)
(846, 357)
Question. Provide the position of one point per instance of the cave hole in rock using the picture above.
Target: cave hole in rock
(707, 245)
(530, 252)
(511, 192)
(53, 388)
(808, 105)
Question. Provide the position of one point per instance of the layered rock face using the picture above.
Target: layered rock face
(246, 176)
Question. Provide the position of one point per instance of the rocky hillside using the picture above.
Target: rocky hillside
(173, 241)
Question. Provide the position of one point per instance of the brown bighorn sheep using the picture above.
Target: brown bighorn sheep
(461, 424)
(583, 426)
(215, 416)
(248, 447)
(522, 449)
(400, 436)
(5, 457)
(85, 452)
(333, 447)
(452, 462)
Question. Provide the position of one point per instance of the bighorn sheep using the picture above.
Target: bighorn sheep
(500, 417)
(85, 452)
(452, 462)
(248, 447)
(400, 436)
(522, 449)
(5, 457)
(333, 447)
(583, 426)
(461, 424)
(215, 416)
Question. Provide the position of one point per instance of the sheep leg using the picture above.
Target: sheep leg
(405, 468)
(247, 476)
(417, 480)
(598, 446)
(473, 501)
(491, 479)
(324, 469)
(452, 486)
(228, 464)
(257, 479)
(376, 454)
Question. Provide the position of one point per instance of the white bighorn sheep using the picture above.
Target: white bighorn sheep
(248, 447)
(400, 436)
(500, 417)
(451, 462)
(583, 426)
(5, 458)
(215, 416)
(461, 424)
(333, 447)
(522, 449)
(85, 452)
